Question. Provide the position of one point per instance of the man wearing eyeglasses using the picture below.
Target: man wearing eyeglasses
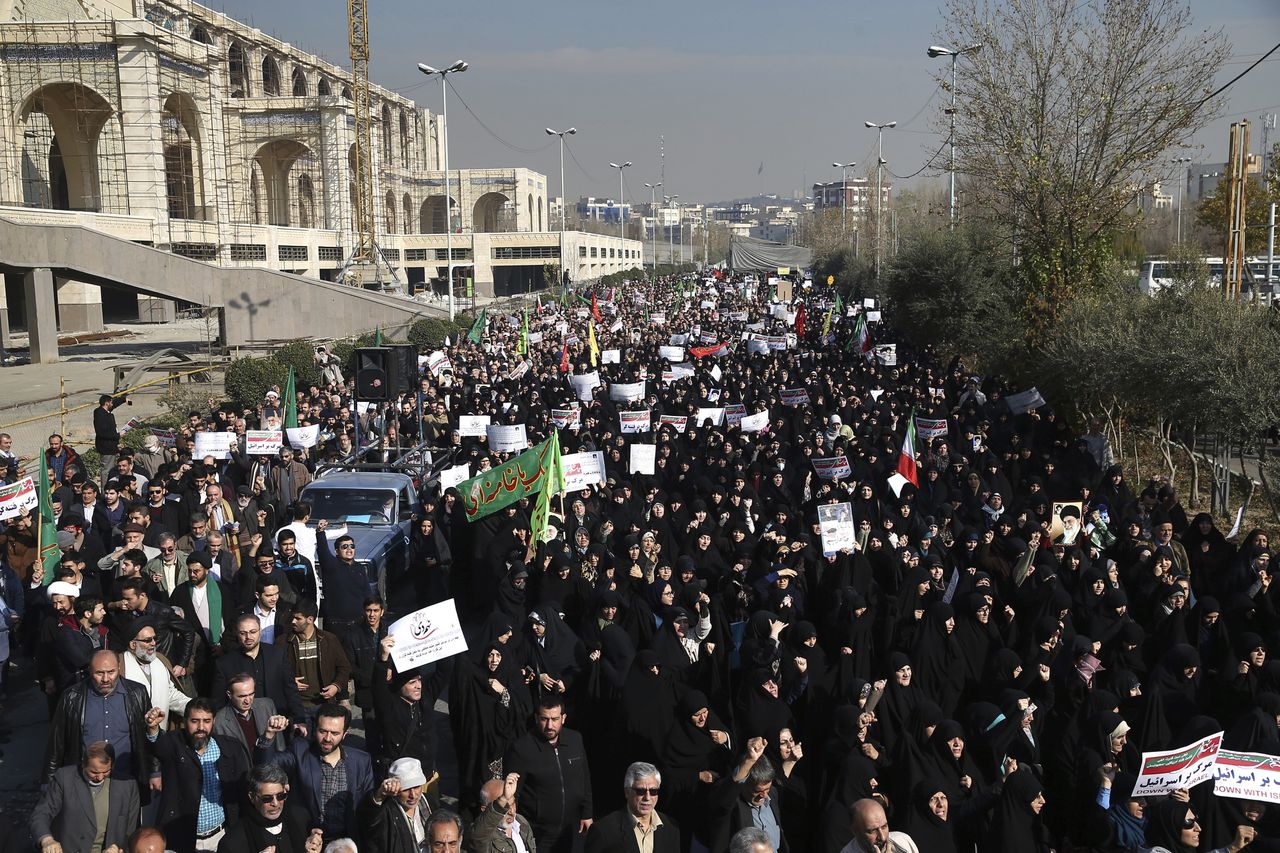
(168, 570)
(638, 828)
(144, 664)
(267, 664)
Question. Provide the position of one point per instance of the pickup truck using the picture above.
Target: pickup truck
(377, 509)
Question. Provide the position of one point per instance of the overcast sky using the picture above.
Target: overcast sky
(733, 85)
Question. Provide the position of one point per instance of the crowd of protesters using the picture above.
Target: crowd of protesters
(676, 663)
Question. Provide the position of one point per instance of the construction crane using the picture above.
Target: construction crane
(366, 266)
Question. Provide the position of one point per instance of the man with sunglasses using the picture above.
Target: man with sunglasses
(345, 583)
(271, 823)
(639, 827)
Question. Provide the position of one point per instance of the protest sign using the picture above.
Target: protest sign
(794, 397)
(734, 413)
(630, 422)
(887, 354)
(626, 392)
(507, 438)
(583, 384)
(658, 318)
(519, 370)
(1024, 401)
(438, 362)
(566, 418)
(896, 482)
(262, 442)
(643, 459)
(671, 354)
(754, 423)
(306, 436)
(454, 475)
(582, 470)
(1247, 776)
(611, 356)
(17, 498)
(836, 526)
(930, 428)
(708, 413)
(678, 422)
(676, 341)
(166, 437)
(617, 326)
(216, 444)
(832, 467)
(873, 316)
(737, 316)
(1177, 769)
(426, 635)
(535, 338)
(473, 426)
(757, 346)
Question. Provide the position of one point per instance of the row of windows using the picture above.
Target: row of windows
(612, 253)
(513, 253)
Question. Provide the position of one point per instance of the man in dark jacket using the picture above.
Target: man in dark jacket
(361, 644)
(197, 765)
(406, 717)
(317, 658)
(76, 638)
(746, 798)
(269, 667)
(345, 582)
(272, 821)
(321, 764)
(396, 813)
(89, 710)
(65, 814)
(555, 782)
(617, 831)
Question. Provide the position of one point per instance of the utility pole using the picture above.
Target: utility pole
(1180, 163)
(880, 161)
(1233, 258)
(935, 51)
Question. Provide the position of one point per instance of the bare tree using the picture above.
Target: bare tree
(1065, 116)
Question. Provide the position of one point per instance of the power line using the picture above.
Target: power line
(927, 164)
(1230, 82)
(581, 168)
(490, 131)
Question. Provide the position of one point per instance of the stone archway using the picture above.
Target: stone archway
(431, 216)
(493, 212)
(62, 128)
(183, 160)
(277, 160)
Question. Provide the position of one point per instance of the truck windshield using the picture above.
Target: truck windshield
(353, 506)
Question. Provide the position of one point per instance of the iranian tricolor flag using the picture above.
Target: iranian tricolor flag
(907, 457)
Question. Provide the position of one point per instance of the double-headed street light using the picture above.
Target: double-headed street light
(564, 198)
(622, 217)
(879, 129)
(934, 52)
(455, 68)
(653, 208)
(844, 195)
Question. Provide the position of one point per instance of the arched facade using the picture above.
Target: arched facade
(300, 88)
(238, 71)
(406, 207)
(67, 129)
(432, 218)
(389, 212)
(183, 157)
(277, 161)
(270, 76)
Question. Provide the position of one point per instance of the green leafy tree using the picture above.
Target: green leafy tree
(1259, 194)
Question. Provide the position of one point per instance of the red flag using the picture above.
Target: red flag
(800, 321)
(595, 311)
(714, 349)
(907, 456)
(564, 357)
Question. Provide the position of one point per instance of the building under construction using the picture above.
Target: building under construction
(177, 127)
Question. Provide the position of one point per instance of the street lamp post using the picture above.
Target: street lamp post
(671, 243)
(934, 52)
(622, 219)
(564, 200)
(844, 196)
(879, 128)
(653, 208)
(1179, 162)
(455, 68)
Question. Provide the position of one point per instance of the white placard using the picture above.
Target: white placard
(677, 341)
(611, 356)
(754, 423)
(734, 413)
(643, 459)
(473, 426)
(705, 413)
(583, 384)
(454, 475)
(582, 470)
(836, 525)
(672, 354)
(832, 467)
(677, 422)
(896, 482)
(426, 635)
(1247, 776)
(631, 422)
(262, 442)
(306, 436)
(794, 396)
(18, 498)
(617, 326)
(1177, 769)
(566, 418)
(757, 346)
(626, 392)
(216, 444)
(873, 316)
(887, 354)
(507, 438)
(869, 302)
(534, 338)
(1024, 401)
(438, 362)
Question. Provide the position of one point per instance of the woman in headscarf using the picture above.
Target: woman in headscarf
(762, 713)
(1208, 553)
(1017, 823)
(856, 781)
(647, 710)
(940, 665)
(901, 696)
(489, 708)
(851, 633)
(1177, 678)
(929, 818)
(1173, 825)
(698, 752)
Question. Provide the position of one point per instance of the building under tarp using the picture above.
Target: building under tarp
(747, 254)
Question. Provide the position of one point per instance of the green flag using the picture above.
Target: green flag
(517, 478)
(522, 347)
(46, 530)
(476, 335)
(377, 336)
(290, 402)
(553, 483)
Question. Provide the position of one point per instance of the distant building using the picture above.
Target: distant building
(774, 232)
(1202, 178)
(602, 209)
(859, 194)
